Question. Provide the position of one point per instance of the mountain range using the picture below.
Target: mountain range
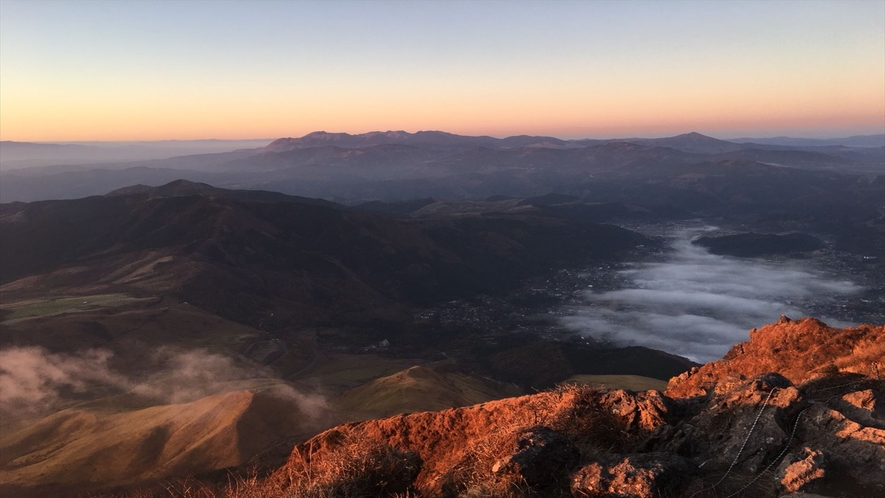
(401, 165)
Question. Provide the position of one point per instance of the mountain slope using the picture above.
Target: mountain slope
(421, 388)
(88, 447)
(354, 256)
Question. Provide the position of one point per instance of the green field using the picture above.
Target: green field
(56, 306)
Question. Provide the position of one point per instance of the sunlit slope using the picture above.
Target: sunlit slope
(421, 388)
(78, 447)
(120, 440)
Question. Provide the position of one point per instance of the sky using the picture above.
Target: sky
(117, 70)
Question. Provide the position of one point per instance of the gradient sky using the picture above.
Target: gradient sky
(114, 70)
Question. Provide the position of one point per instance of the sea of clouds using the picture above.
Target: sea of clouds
(698, 305)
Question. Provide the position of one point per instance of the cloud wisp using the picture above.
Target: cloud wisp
(697, 304)
(35, 381)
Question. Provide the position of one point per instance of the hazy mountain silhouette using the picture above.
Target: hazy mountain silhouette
(400, 165)
(854, 141)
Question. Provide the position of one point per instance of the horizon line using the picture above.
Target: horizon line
(499, 137)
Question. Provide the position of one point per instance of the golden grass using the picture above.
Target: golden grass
(341, 371)
(355, 472)
(79, 446)
(420, 388)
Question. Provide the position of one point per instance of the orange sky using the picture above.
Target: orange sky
(85, 72)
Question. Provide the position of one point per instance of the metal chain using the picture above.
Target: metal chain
(743, 446)
(781, 455)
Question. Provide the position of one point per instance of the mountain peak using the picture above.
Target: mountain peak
(695, 136)
(175, 188)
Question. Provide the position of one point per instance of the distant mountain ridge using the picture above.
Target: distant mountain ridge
(398, 165)
(181, 188)
(436, 139)
(853, 141)
(687, 142)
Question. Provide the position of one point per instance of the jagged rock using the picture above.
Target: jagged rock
(643, 475)
(801, 472)
(541, 457)
(639, 410)
(743, 425)
(850, 445)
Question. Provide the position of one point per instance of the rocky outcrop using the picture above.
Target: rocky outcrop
(803, 471)
(794, 411)
(747, 425)
(800, 350)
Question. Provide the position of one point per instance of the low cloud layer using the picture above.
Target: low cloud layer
(34, 381)
(697, 304)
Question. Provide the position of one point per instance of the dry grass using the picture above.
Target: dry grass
(473, 475)
(354, 470)
(592, 429)
(380, 472)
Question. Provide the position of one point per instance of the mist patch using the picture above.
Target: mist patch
(698, 305)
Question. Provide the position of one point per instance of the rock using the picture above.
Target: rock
(541, 458)
(849, 445)
(642, 475)
(864, 407)
(645, 411)
(744, 425)
(806, 470)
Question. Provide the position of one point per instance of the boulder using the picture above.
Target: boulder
(852, 446)
(803, 472)
(642, 475)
